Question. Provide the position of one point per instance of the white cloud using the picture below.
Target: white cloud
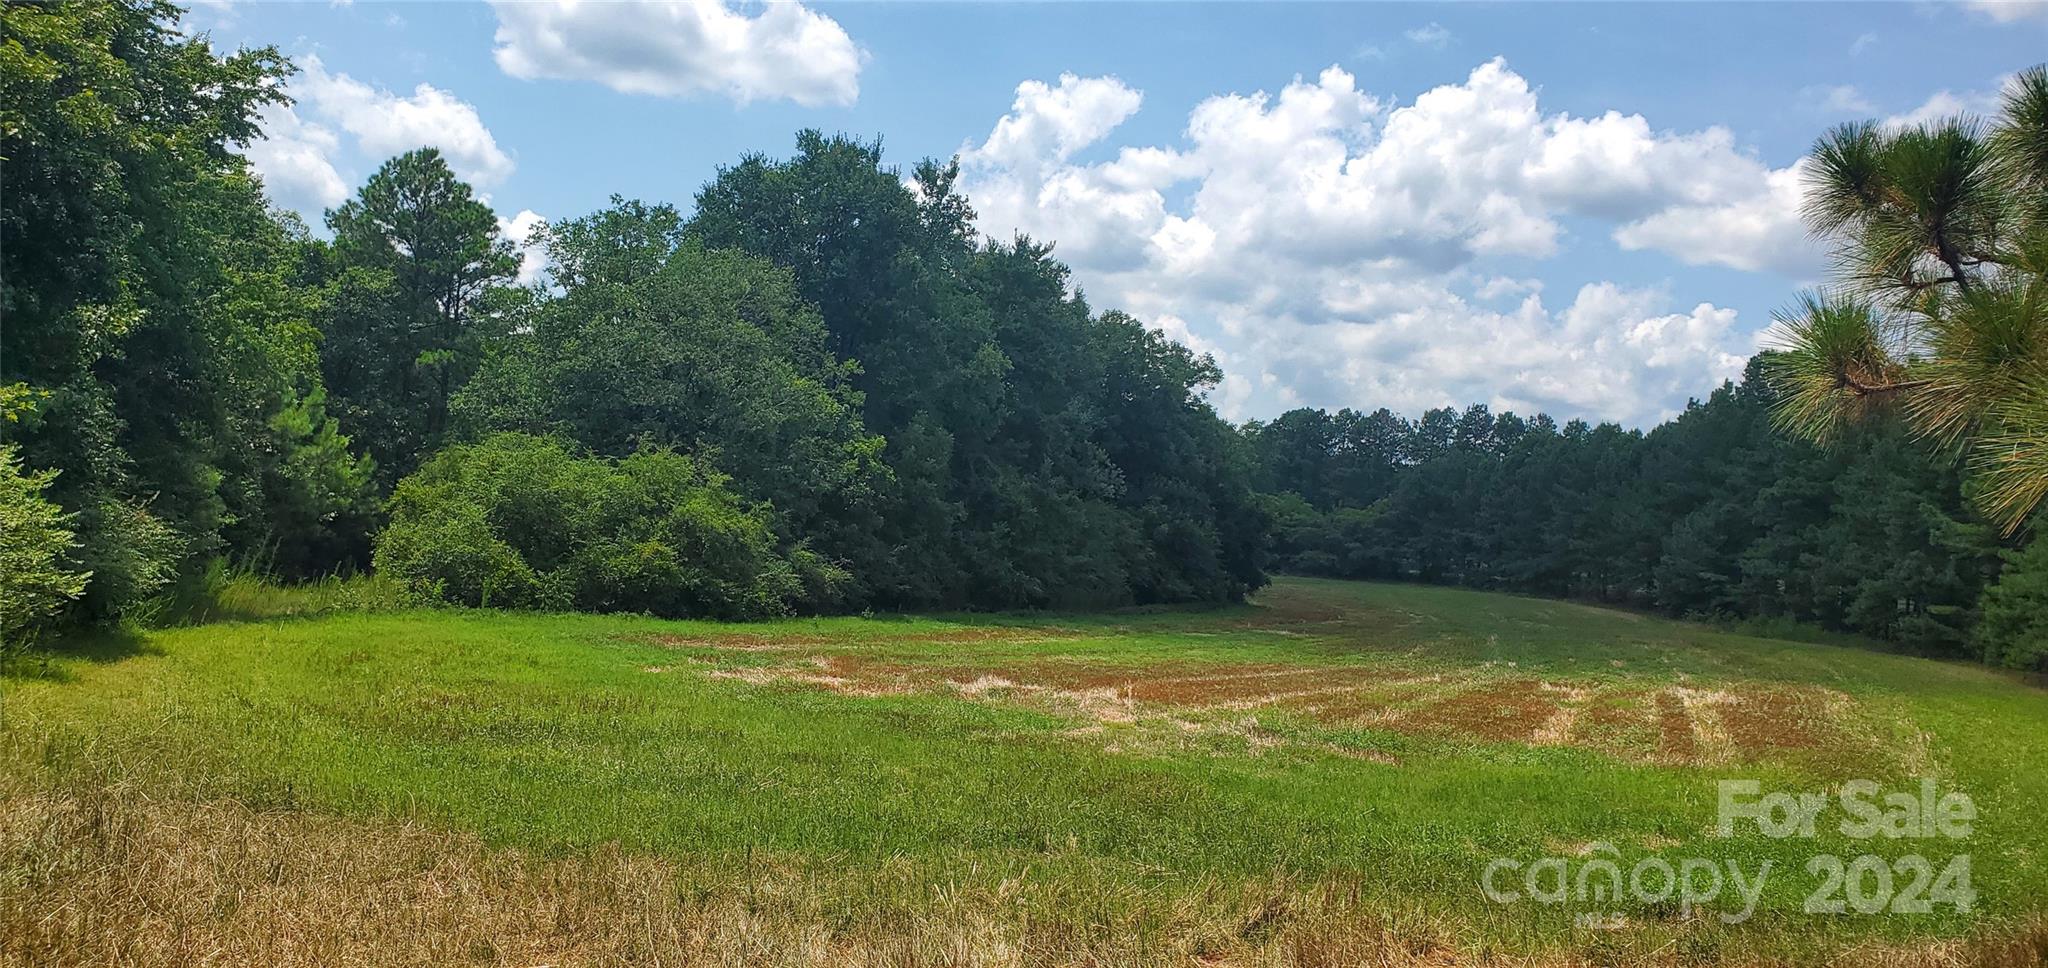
(1048, 123)
(1503, 287)
(1758, 230)
(1943, 105)
(1838, 99)
(1616, 167)
(533, 260)
(202, 17)
(2009, 11)
(1316, 239)
(386, 124)
(1612, 353)
(1431, 35)
(1026, 184)
(1862, 42)
(682, 48)
(1326, 172)
(296, 159)
(1232, 397)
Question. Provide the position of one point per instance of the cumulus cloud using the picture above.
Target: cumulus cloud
(1023, 181)
(1316, 239)
(681, 48)
(1502, 287)
(1613, 352)
(386, 124)
(533, 260)
(1328, 171)
(1758, 230)
(1050, 123)
(295, 157)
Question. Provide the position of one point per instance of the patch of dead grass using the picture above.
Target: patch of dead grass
(1678, 724)
(1677, 741)
(99, 876)
(1510, 710)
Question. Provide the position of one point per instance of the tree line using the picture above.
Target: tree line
(1715, 514)
(816, 389)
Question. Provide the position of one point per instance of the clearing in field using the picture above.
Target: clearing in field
(1320, 777)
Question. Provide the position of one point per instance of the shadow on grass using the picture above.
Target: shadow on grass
(44, 663)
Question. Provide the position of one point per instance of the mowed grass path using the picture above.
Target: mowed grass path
(1168, 785)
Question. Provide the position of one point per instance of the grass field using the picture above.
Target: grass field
(1318, 778)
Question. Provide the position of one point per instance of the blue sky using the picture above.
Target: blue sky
(1588, 209)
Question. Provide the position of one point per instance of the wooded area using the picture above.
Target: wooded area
(1713, 515)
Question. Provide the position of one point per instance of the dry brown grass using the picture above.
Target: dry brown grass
(105, 878)
(1509, 710)
(91, 875)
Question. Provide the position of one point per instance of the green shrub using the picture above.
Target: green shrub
(133, 557)
(521, 522)
(35, 583)
(2014, 628)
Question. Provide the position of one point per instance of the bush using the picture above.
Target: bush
(2014, 628)
(521, 522)
(132, 556)
(35, 583)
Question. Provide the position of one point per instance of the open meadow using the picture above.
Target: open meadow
(1319, 777)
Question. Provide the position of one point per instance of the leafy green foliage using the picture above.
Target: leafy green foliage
(656, 340)
(35, 584)
(132, 554)
(523, 522)
(311, 499)
(1038, 454)
(151, 300)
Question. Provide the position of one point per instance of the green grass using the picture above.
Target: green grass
(227, 593)
(842, 746)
